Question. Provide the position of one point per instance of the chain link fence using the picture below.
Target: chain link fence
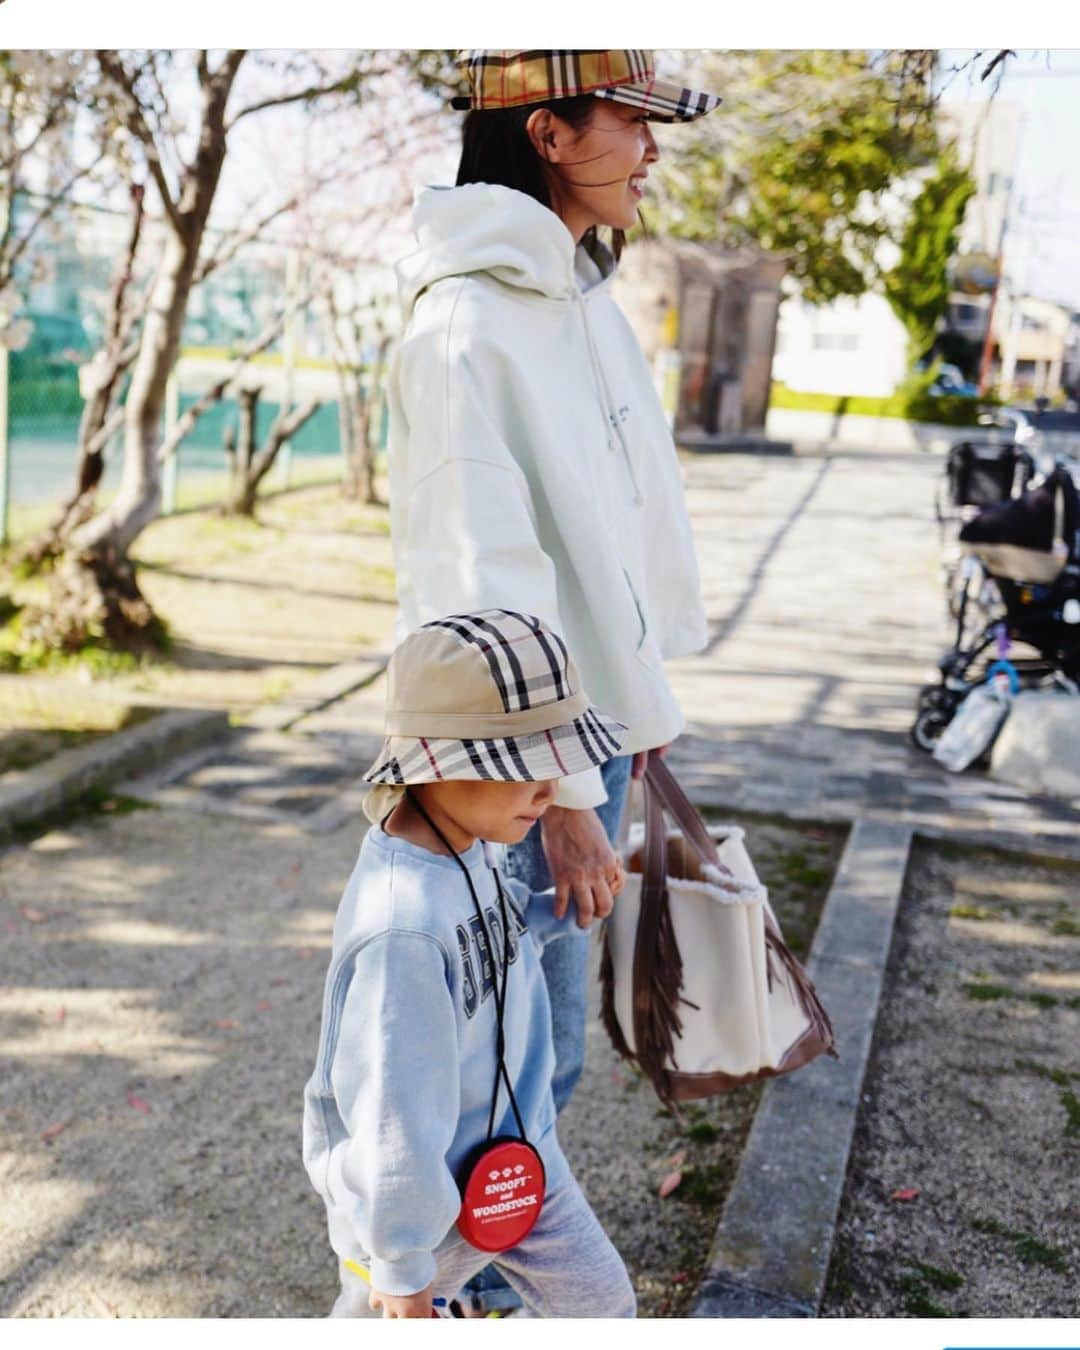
(230, 308)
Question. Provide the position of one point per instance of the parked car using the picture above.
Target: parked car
(950, 380)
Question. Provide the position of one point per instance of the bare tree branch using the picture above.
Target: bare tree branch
(217, 391)
(109, 428)
(998, 59)
(115, 71)
(345, 85)
(286, 424)
(229, 251)
(52, 115)
(225, 74)
(52, 202)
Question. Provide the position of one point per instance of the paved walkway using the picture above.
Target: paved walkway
(826, 615)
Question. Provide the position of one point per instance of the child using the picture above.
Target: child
(435, 1057)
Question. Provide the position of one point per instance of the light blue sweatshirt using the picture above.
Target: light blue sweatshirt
(406, 1063)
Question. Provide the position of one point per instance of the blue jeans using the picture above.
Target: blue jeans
(564, 965)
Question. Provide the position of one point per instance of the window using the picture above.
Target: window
(835, 342)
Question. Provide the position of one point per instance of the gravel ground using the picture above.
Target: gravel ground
(160, 986)
(972, 1100)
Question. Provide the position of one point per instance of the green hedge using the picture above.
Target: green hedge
(912, 404)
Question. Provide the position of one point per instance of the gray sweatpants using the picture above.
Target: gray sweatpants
(566, 1267)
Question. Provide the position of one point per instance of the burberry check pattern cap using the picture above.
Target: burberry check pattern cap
(491, 695)
(504, 79)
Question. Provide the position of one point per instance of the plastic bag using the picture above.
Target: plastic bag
(978, 720)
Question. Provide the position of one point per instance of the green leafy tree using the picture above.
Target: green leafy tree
(918, 286)
(800, 159)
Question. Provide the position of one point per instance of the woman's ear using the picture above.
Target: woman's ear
(545, 131)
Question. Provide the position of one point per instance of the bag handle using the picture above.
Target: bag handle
(660, 779)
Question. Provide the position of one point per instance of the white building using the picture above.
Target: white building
(1033, 340)
(851, 346)
(857, 346)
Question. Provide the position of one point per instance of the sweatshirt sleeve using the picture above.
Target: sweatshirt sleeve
(471, 539)
(395, 1080)
(538, 910)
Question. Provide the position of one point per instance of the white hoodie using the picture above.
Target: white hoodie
(531, 464)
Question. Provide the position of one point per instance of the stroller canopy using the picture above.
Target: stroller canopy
(1034, 520)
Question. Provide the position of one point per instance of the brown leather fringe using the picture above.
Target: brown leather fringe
(662, 1025)
(801, 986)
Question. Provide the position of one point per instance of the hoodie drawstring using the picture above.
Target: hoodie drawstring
(605, 397)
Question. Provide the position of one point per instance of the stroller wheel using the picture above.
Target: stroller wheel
(936, 696)
(928, 726)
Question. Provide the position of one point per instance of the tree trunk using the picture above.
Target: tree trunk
(95, 595)
(95, 425)
(361, 463)
(97, 560)
(240, 497)
(355, 402)
(251, 467)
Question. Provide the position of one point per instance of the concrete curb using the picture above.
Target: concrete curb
(49, 787)
(733, 443)
(770, 1255)
(318, 692)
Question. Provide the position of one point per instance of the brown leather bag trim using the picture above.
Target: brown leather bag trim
(685, 1087)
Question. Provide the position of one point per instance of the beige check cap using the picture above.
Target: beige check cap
(506, 79)
(492, 695)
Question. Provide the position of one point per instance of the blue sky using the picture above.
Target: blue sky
(1043, 246)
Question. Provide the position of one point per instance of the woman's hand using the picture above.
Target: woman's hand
(582, 863)
(637, 769)
(402, 1305)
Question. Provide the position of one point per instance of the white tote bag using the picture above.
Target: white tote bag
(699, 988)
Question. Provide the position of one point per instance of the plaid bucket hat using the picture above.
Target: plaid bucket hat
(505, 79)
(492, 695)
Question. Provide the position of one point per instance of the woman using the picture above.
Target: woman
(531, 465)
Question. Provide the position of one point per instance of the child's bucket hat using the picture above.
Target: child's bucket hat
(505, 79)
(488, 695)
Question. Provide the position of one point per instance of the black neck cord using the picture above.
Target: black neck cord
(501, 1070)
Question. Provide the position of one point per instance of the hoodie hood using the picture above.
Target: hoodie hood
(485, 227)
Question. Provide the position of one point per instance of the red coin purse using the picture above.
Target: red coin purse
(502, 1191)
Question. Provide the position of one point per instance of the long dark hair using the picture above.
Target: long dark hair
(495, 148)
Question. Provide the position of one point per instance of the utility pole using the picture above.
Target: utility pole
(988, 340)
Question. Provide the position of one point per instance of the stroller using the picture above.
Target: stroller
(1028, 547)
(977, 475)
